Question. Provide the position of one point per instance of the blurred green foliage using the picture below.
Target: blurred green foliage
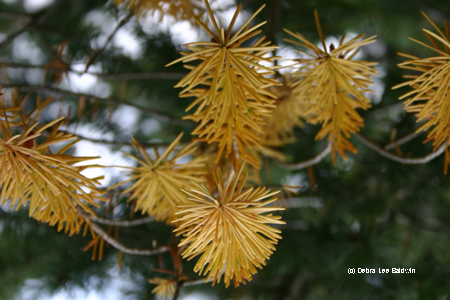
(372, 212)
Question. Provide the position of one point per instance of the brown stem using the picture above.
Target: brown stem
(307, 163)
(57, 91)
(119, 246)
(177, 290)
(117, 144)
(110, 37)
(123, 223)
(35, 18)
(106, 76)
(402, 141)
(403, 160)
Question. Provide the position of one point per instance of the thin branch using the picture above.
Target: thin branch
(50, 50)
(142, 75)
(13, 15)
(106, 76)
(121, 144)
(403, 160)
(110, 37)
(402, 141)
(18, 32)
(195, 281)
(116, 244)
(307, 163)
(57, 91)
(35, 18)
(382, 112)
(177, 290)
(123, 223)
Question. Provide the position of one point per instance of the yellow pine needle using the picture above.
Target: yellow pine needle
(332, 85)
(157, 183)
(229, 231)
(430, 95)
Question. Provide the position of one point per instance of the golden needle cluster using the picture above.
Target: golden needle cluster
(289, 112)
(49, 184)
(333, 86)
(430, 97)
(230, 230)
(157, 181)
(230, 86)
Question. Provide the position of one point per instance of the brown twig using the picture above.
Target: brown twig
(13, 15)
(403, 160)
(307, 163)
(177, 290)
(142, 75)
(123, 223)
(195, 281)
(402, 141)
(119, 246)
(110, 37)
(121, 144)
(112, 100)
(34, 19)
(106, 76)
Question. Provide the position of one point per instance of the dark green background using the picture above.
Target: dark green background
(376, 213)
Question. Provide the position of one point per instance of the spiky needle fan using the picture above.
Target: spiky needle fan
(229, 85)
(333, 86)
(430, 95)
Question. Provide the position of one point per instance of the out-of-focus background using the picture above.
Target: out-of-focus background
(365, 212)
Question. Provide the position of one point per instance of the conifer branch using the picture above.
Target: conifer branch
(402, 141)
(119, 246)
(403, 160)
(307, 163)
(123, 223)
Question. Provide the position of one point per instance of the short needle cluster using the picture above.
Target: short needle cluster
(229, 231)
(157, 180)
(430, 97)
(229, 85)
(49, 184)
(333, 86)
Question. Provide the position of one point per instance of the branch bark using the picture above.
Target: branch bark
(121, 144)
(195, 281)
(402, 141)
(119, 246)
(57, 91)
(34, 19)
(307, 163)
(106, 76)
(123, 223)
(110, 37)
(403, 160)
